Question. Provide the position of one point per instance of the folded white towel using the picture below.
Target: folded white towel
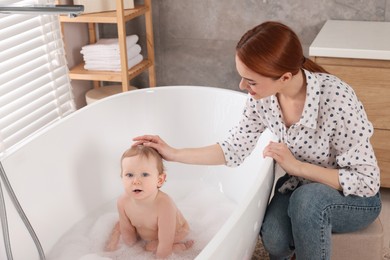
(108, 55)
(110, 44)
(112, 67)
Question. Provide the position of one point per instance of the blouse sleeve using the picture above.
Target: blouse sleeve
(359, 172)
(243, 137)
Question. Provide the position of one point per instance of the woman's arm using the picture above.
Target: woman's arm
(283, 156)
(320, 174)
(207, 155)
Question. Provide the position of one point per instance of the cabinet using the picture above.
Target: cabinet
(119, 17)
(359, 54)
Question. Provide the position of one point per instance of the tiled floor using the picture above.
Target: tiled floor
(260, 253)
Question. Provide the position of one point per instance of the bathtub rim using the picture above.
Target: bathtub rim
(233, 219)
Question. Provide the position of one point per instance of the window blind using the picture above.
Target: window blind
(35, 89)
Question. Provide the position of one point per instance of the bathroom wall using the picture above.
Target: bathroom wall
(195, 40)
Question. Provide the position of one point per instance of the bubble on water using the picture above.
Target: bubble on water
(204, 206)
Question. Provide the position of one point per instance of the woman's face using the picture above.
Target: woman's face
(257, 85)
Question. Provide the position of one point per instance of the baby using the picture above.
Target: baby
(145, 212)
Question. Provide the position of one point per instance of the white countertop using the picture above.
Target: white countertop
(353, 39)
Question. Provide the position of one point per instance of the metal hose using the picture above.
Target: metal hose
(4, 225)
(22, 215)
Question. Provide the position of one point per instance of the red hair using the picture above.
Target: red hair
(272, 49)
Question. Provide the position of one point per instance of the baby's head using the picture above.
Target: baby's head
(146, 153)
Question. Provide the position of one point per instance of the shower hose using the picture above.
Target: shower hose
(4, 222)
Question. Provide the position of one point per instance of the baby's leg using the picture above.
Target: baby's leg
(112, 243)
(182, 246)
(151, 246)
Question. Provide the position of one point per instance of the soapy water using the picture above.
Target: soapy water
(204, 206)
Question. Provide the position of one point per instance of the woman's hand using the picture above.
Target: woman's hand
(206, 155)
(154, 141)
(283, 156)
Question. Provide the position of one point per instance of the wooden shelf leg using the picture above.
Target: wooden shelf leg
(150, 42)
(92, 40)
(122, 44)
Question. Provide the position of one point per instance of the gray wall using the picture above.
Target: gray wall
(195, 40)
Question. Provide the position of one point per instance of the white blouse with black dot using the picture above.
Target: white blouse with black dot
(333, 132)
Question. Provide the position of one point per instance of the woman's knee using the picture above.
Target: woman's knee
(308, 202)
(277, 241)
(277, 246)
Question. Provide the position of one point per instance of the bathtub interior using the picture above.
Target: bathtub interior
(72, 167)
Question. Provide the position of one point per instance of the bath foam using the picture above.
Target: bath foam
(204, 206)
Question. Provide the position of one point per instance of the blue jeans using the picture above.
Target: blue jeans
(303, 220)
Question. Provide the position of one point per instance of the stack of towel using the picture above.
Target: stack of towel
(105, 54)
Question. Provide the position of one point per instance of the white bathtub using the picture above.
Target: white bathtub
(72, 167)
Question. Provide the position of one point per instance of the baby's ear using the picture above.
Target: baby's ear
(161, 179)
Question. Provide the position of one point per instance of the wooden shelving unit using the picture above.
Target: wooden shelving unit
(370, 80)
(118, 17)
(365, 66)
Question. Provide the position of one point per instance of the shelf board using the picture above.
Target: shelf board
(79, 73)
(105, 17)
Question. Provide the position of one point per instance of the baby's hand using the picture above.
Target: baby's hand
(182, 246)
(188, 244)
(111, 246)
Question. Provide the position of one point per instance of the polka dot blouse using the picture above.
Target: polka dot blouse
(333, 132)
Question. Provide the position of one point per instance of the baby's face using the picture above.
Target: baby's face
(140, 177)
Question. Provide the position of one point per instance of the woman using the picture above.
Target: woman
(332, 181)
